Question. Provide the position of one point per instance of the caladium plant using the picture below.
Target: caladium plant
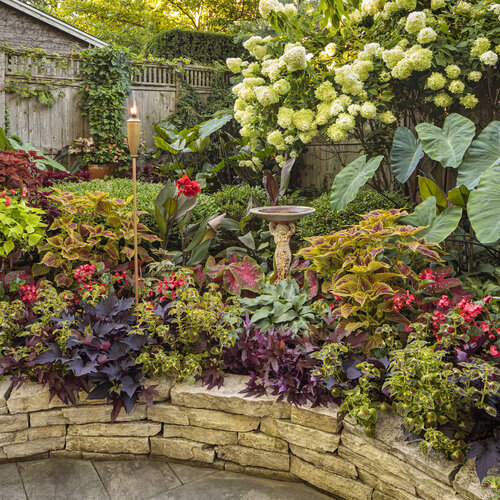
(234, 274)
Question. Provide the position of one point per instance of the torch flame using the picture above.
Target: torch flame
(133, 109)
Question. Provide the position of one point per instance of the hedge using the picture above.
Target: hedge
(197, 46)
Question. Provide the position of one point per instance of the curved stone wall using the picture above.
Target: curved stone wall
(221, 428)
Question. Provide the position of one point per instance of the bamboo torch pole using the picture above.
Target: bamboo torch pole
(134, 137)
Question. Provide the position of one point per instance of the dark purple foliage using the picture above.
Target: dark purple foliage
(487, 455)
(51, 177)
(279, 362)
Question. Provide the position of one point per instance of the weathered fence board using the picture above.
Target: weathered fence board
(155, 87)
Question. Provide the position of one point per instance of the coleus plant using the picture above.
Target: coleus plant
(92, 228)
(364, 266)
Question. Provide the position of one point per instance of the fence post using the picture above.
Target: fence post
(3, 70)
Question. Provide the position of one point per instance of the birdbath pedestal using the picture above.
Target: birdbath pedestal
(282, 226)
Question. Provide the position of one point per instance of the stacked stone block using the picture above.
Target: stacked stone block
(223, 429)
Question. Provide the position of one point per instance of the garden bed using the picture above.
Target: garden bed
(220, 428)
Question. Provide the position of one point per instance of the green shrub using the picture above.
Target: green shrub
(122, 188)
(197, 46)
(325, 220)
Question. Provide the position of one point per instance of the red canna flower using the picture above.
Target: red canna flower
(187, 187)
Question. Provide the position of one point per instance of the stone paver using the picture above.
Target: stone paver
(230, 486)
(135, 480)
(11, 487)
(75, 479)
(56, 479)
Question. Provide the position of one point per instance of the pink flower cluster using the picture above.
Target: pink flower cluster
(28, 293)
(401, 300)
(7, 200)
(84, 273)
(169, 285)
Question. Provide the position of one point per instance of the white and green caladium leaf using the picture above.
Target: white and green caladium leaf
(351, 179)
(406, 152)
(483, 153)
(484, 206)
(447, 145)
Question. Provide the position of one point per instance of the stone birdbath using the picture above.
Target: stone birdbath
(282, 226)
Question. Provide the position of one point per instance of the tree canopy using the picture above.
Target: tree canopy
(131, 24)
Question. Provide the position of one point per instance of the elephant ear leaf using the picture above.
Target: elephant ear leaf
(406, 152)
(350, 179)
(428, 187)
(483, 153)
(423, 215)
(484, 206)
(447, 145)
(443, 225)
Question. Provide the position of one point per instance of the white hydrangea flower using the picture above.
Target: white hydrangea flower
(387, 117)
(368, 110)
(336, 108)
(266, 95)
(389, 8)
(474, 76)
(303, 119)
(282, 87)
(290, 140)
(436, 81)
(285, 117)
(335, 133)
(290, 11)
(443, 100)
(330, 49)
(362, 69)
(489, 58)
(403, 69)
(369, 7)
(415, 22)
(354, 109)
(325, 91)
(240, 105)
(437, 4)
(463, 7)
(276, 139)
(307, 137)
(406, 4)
(456, 87)
(251, 70)
(323, 113)
(356, 17)
(295, 58)
(234, 64)
(268, 6)
(469, 101)
(393, 56)
(480, 46)
(345, 121)
(426, 35)
(452, 71)
(348, 79)
(495, 8)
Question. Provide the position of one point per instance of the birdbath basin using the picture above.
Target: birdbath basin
(285, 213)
(282, 227)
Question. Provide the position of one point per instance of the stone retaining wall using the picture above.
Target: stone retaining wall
(222, 429)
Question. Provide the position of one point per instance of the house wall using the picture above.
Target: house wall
(21, 30)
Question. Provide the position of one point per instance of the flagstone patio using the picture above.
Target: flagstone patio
(72, 479)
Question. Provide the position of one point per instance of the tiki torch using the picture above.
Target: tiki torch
(134, 137)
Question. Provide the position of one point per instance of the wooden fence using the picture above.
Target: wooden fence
(155, 87)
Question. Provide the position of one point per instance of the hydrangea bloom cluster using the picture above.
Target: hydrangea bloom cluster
(295, 90)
